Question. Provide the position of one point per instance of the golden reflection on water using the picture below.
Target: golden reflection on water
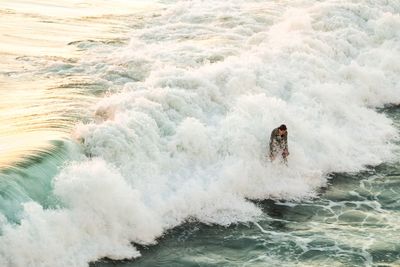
(36, 108)
(32, 116)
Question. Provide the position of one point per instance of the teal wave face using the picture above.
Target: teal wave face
(32, 179)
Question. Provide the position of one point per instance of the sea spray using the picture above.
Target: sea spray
(185, 137)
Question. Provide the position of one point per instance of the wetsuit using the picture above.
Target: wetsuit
(278, 144)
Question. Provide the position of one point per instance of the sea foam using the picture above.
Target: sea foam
(186, 135)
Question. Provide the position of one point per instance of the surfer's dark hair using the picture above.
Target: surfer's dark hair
(282, 127)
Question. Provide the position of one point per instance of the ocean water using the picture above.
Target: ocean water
(135, 133)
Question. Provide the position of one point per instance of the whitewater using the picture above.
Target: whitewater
(179, 129)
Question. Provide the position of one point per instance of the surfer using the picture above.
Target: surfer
(278, 145)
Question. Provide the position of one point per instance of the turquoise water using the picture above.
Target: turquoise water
(31, 179)
(351, 223)
(135, 133)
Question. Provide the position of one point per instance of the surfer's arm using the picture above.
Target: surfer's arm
(271, 143)
(286, 148)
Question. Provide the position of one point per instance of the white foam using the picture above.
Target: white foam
(188, 141)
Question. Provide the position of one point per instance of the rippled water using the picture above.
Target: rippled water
(134, 133)
(44, 90)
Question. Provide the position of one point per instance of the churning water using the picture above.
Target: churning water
(134, 133)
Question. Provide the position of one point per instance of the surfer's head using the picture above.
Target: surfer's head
(282, 129)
